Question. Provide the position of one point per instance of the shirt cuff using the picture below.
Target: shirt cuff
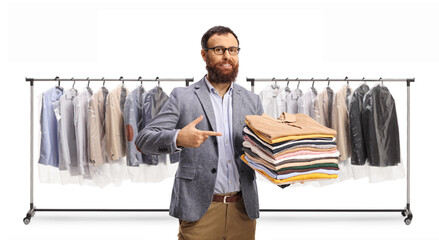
(177, 149)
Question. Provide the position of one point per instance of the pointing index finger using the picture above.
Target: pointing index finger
(211, 133)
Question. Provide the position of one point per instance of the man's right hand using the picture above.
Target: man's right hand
(190, 137)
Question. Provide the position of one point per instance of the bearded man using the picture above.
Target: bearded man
(215, 194)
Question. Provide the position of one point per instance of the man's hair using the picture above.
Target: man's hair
(216, 30)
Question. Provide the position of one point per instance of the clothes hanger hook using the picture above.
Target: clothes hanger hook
(141, 82)
(59, 82)
(312, 79)
(88, 84)
(123, 82)
(346, 79)
(297, 79)
(328, 81)
(103, 84)
(74, 82)
(158, 81)
(382, 82)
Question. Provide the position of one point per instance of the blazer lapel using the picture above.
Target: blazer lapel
(203, 95)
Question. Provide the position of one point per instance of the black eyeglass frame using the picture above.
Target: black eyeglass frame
(224, 50)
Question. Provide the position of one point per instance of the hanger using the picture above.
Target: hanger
(88, 84)
(59, 82)
(141, 81)
(297, 79)
(328, 81)
(275, 83)
(312, 79)
(382, 82)
(287, 89)
(346, 79)
(158, 81)
(364, 80)
(103, 84)
(123, 82)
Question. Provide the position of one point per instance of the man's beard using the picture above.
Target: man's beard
(215, 74)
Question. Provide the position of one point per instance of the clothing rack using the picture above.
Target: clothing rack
(406, 212)
(33, 208)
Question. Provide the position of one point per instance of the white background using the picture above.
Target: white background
(372, 39)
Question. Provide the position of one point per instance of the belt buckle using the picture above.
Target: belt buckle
(224, 200)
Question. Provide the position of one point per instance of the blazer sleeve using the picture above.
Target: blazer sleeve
(157, 137)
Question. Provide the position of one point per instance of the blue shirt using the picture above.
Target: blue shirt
(227, 173)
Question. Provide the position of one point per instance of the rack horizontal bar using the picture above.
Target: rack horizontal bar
(332, 79)
(106, 79)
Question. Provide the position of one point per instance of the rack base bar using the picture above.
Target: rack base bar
(405, 212)
(332, 210)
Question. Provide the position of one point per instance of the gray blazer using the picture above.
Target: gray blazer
(196, 174)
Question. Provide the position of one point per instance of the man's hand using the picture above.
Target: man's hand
(190, 137)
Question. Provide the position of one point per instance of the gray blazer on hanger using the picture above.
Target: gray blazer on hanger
(196, 175)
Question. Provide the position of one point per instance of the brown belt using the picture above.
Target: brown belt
(227, 199)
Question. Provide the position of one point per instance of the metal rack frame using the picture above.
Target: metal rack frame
(406, 212)
(33, 208)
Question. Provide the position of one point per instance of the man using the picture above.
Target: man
(215, 194)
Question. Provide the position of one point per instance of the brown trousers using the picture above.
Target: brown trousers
(221, 221)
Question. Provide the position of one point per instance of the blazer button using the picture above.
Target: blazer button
(213, 170)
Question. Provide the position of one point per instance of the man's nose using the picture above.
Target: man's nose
(226, 54)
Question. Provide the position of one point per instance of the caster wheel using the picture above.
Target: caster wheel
(408, 221)
(26, 220)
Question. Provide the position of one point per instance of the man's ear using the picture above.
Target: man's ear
(203, 54)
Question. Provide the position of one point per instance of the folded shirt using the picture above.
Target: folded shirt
(300, 178)
(289, 175)
(287, 127)
(301, 158)
(321, 143)
(294, 152)
(278, 167)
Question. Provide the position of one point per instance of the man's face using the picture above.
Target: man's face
(221, 68)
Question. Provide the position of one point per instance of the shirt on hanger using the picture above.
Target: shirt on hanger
(268, 98)
(80, 115)
(49, 128)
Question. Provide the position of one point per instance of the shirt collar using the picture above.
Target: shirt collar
(212, 89)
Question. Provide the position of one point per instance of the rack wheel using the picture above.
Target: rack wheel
(26, 220)
(408, 221)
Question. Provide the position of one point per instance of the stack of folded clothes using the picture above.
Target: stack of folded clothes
(292, 148)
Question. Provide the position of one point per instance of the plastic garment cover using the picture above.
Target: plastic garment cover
(49, 127)
(306, 103)
(358, 155)
(153, 103)
(133, 120)
(323, 107)
(340, 122)
(281, 100)
(293, 101)
(269, 99)
(114, 123)
(80, 121)
(380, 128)
(64, 111)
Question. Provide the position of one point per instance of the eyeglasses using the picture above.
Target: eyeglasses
(222, 50)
